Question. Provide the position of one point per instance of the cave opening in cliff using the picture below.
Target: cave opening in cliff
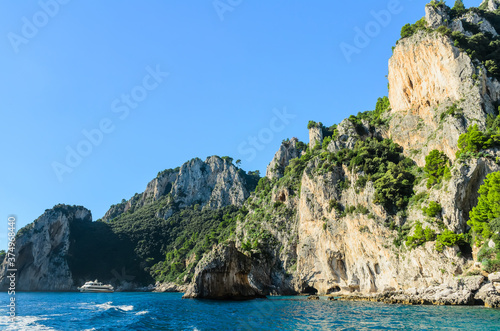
(310, 290)
(333, 289)
(466, 250)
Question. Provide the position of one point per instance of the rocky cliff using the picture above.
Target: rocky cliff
(287, 151)
(42, 251)
(223, 274)
(490, 5)
(213, 183)
(348, 216)
(64, 248)
(375, 208)
(436, 89)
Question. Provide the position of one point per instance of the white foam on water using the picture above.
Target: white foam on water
(24, 323)
(109, 305)
(125, 308)
(144, 312)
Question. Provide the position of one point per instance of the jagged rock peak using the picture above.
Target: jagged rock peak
(490, 5)
(436, 15)
(41, 250)
(215, 183)
(287, 151)
(315, 135)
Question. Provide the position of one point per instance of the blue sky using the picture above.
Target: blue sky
(135, 87)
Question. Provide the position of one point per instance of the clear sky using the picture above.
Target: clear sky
(97, 97)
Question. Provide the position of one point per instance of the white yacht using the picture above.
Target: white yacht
(96, 287)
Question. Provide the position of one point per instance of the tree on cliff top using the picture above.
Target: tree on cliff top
(458, 9)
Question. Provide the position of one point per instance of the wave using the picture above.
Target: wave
(144, 312)
(109, 305)
(24, 323)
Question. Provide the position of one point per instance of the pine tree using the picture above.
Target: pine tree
(488, 206)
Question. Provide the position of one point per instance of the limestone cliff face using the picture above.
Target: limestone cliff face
(41, 251)
(356, 253)
(287, 151)
(459, 195)
(490, 5)
(427, 75)
(315, 136)
(436, 16)
(348, 134)
(222, 274)
(214, 183)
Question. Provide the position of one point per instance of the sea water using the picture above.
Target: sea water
(168, 311)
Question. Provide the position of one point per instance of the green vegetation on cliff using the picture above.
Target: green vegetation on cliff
(436, 167)
(382, 162)
(192, 233)
(485, 222)
(474, 141)
(420, 236)
(146, 246)
(488, 207)
(410, 29)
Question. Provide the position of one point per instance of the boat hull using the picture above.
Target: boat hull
(94, 290)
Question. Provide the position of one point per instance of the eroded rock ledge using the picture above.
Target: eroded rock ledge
(223, 274)
(473, 290)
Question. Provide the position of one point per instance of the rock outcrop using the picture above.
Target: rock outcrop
(215, 183)
(436, 15)
(287, 151)
(315, 135)
(469, 290)
(41, 251)
(169, 287)
(356, 253)
(223, 274)
(490, 5)
(436, 93)
(428, 76)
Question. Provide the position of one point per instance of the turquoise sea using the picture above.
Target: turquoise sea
(167, 311)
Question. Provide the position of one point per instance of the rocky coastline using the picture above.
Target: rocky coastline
(464, 291)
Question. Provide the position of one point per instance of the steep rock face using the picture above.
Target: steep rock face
(348, 134)
(356, 253)
(287, 151)
(41, 251)
(214, 183)
(436, 16)
(315, 136)
(459, 195)
(222, 274)
(484, 25)
(427, 75)
(490, 5)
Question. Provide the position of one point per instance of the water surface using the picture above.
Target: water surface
(167, 311)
